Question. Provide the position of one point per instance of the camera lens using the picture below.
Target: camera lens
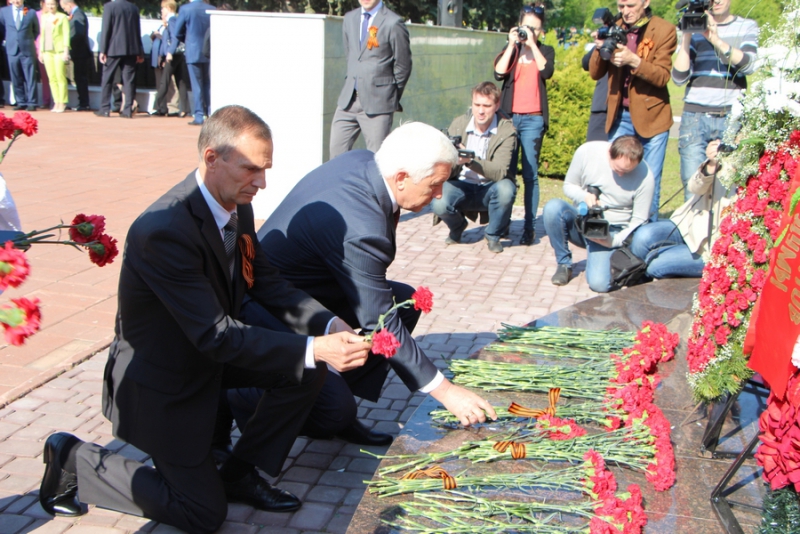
(523, 35)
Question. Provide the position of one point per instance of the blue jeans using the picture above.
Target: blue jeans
(530, 131)
(661, 245)
(654, 150)
(559, 224)
(697, 130)
(458, 196)
(201, 89)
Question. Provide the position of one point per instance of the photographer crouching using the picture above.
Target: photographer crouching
(678, 247)
(625, 185)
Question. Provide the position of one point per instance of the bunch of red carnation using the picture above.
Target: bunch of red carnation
(779, 452)
(22, 123)
(737, 268)
(559, 429)
(87, 230)
(614, 513)
(384, 342)
(14, 268)
(21, 320)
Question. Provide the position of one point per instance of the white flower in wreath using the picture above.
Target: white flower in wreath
(796, 353)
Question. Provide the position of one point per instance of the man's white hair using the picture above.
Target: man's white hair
(415, 148)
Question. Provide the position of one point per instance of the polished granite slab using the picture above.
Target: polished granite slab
(683, 509)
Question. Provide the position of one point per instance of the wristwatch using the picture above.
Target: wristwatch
(727, 54)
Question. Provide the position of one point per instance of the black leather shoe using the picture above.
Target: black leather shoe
(20, 108)
(494, 245)
(196, 123)
(258, 493)
(125, 115)
(528, 237)
(358, 433)
(58, 493)
(31, 108)
(159, 113)
(83, 108)
(102, 113)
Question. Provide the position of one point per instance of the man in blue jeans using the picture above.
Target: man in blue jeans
(625, 182)
(483, 181)
(190, 28)
(714, 63)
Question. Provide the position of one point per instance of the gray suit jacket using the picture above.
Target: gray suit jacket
(177, 326)
(383, 71)
(333, 236)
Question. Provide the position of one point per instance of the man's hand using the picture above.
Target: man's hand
(711, 30)
(623, 56)
(464, 404)
(590, 199)
(343, 351)
(169, 57)
(513, 35)
(103, 58)
(139, 59)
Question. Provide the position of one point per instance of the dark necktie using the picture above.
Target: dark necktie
(364, 30)
(396, 218)
(230, 241)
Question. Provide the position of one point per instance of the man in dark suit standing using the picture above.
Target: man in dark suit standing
(376, 46)
(189, 260)
(79, 51)
(20, 30)
(191, 27)
(334, 237)
(120, 47)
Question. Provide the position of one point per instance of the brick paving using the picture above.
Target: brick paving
(81, 163)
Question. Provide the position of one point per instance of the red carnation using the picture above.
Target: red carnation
(385, 343)
(14, 266)
(25, 122)
(25, 319)
(7, 128)
(87, 228)
(103, 250)
(423, 299)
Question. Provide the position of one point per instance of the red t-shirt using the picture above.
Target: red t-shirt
(526, 89)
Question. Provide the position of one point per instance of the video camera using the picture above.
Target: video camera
(590, 221)
(694, 18)
(609, 32)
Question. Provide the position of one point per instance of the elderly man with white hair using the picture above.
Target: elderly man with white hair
(334, 238)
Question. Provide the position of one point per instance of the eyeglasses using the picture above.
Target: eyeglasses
(536, 10)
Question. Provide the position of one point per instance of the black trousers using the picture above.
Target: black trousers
(335, 408)
(128, 66)
(80, 73)
(192, 498)
(176, 68)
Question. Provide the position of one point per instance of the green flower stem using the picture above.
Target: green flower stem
(575, 343)
(382, 317)
(17, 133)
(588, 380)
(568, 479)
(586, 412)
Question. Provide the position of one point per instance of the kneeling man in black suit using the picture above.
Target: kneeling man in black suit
(179, 341)
(333, 236)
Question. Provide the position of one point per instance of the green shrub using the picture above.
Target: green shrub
(569, 97)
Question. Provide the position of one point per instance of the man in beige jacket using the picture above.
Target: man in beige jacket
(678, 247)
(483, 181)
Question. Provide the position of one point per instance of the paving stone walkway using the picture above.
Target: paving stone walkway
(83, 163)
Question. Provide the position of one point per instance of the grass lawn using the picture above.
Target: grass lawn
(550, 188)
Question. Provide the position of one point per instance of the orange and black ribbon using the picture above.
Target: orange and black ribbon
(645, 47)
(522, 411)
(248, 255)
(448, 481)
(372, 40)
(517, 449)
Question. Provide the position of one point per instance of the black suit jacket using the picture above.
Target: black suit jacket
(122, 34)
(333, 236)
(177, 326)
(79, 35)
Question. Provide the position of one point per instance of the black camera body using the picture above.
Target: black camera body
(694, 18)
(611, 34)
(456, 140)
(590, 221)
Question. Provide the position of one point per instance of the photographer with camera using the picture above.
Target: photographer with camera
(717, 51)
(486, 141)
(678, 247)
(625, 184)
(523, 66)
(637, 56)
